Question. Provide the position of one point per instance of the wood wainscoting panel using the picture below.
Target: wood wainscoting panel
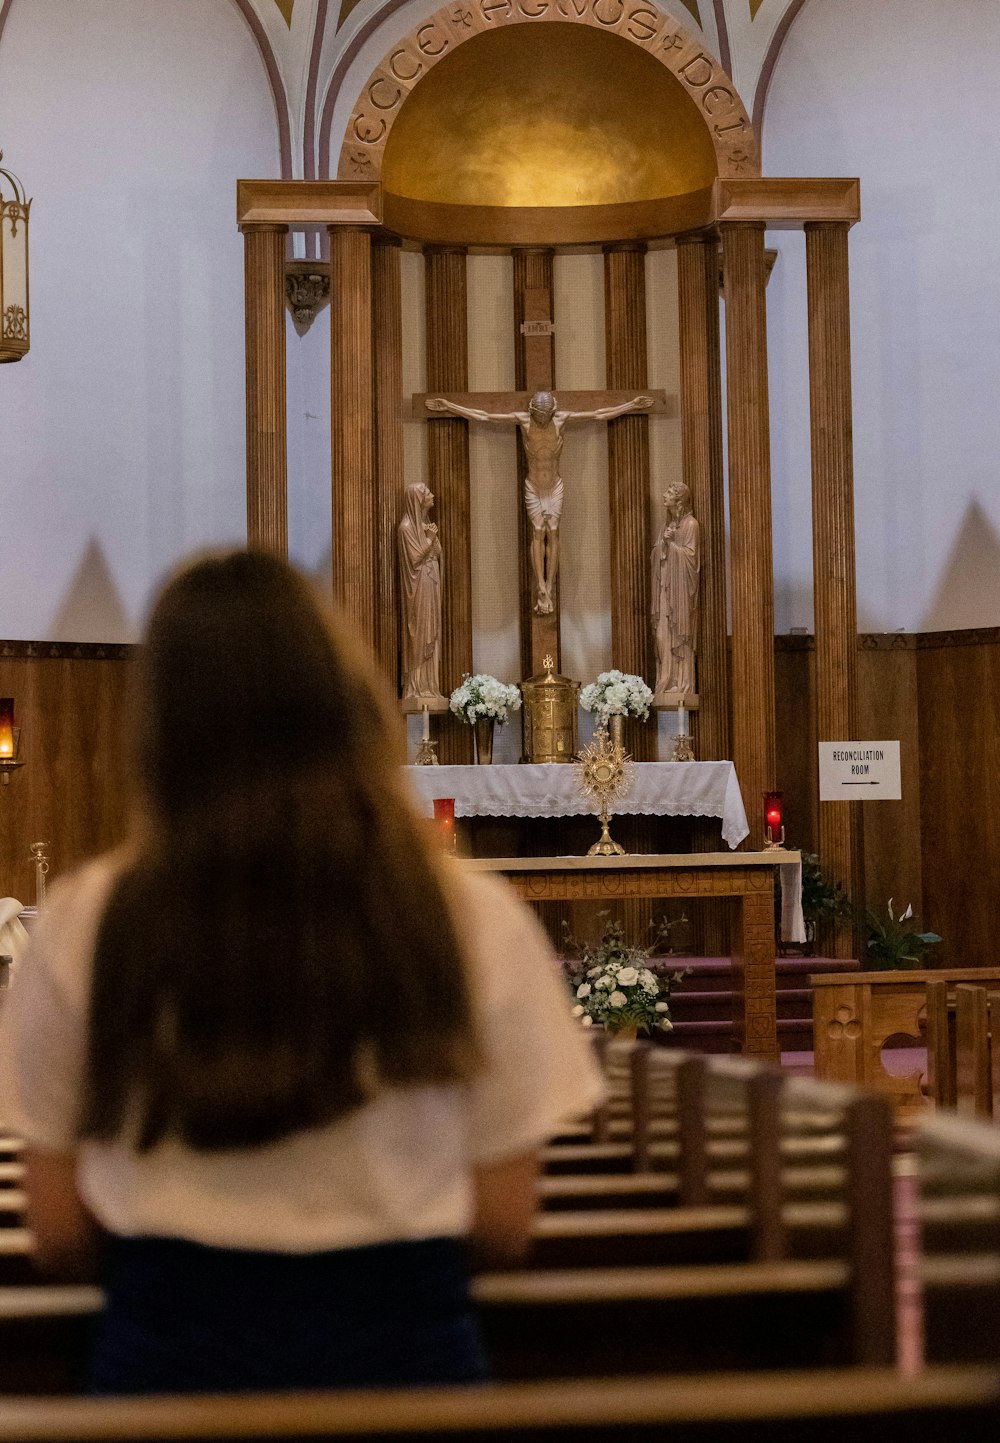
(887, 711)
(958, 686)
(70, 703)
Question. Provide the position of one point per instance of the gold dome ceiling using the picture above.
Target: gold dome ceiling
(547, 115)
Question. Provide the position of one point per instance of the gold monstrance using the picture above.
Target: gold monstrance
(605, 772)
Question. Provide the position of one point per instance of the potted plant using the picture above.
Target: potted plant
(616, 694)
(895, 941)
(823, 900)
(482, 701)
(618, 987)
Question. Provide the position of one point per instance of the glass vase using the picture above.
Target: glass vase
(483, 727)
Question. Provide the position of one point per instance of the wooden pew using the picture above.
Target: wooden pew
(959, 1404)
(820, 1274)
(963, 1065)
(958, 1174)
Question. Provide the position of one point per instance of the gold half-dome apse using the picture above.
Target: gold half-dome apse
(547, 115)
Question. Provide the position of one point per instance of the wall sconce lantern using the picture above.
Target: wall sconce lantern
(14, 311)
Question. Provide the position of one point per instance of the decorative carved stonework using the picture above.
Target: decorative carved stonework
(307, 290)
(680, 50)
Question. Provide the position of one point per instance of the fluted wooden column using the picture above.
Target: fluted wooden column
(703, 471)
(701, 423)
(351, 420)
(628, 474)
(388, 361)
(446, 301)
(534, 370)
(839, 830)
(752, 570)
(267, 438)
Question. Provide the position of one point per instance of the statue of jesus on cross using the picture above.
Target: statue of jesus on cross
(541, 428)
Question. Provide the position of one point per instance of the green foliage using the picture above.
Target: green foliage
(822, 899)
(894, 941)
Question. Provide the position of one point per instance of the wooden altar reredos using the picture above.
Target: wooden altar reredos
(715, 213)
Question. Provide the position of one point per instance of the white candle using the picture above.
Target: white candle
(682, 721)
(427, 725)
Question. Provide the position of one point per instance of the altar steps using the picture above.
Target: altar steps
(702, 1005)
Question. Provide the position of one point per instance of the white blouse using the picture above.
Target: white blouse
(397, 1168)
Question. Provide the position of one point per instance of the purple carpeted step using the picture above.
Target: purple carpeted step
(702, 1004)
(794, 1003)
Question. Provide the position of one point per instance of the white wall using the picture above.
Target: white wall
(122, 448)
(898, 93)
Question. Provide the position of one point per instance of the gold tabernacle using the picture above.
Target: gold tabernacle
(549, 717)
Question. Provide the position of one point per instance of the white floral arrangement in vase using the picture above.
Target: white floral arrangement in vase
(618, 987)
(483, 698)
(616, 693)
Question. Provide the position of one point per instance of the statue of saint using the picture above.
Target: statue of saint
(420, 593)
(541, 428)
(676, 568)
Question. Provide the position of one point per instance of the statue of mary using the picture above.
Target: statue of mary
(420, 592)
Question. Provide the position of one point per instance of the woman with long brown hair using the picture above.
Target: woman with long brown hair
(276, 1063)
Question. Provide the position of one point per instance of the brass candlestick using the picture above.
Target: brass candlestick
(40, 854)
(605, 772)
(682, 748)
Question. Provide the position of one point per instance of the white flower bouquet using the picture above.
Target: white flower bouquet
(617, 987)
(482, 697)
(616, 693)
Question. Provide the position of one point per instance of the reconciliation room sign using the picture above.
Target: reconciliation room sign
(859, 772)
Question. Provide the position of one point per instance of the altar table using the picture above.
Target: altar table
(747, 878)
(659, 789)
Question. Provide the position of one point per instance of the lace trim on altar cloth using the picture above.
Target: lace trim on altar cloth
(659, 789)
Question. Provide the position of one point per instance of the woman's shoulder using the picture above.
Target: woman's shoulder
(501, 935)
(83, 887)
(63, 935)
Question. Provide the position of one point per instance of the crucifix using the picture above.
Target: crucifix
(540, 418)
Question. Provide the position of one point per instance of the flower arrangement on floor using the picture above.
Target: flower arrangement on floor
(616, 693)
(483, 698)
(891, 943)
(616, 987)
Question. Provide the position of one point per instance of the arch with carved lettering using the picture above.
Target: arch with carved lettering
(683, 54)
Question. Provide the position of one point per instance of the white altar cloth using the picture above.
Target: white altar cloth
(659, 789)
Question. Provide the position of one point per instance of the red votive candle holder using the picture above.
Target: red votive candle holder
(444, 816)
(772, 814)
(7, 727)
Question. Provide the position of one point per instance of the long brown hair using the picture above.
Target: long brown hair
(280, 946)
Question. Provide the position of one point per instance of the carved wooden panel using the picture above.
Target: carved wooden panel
(69, 703)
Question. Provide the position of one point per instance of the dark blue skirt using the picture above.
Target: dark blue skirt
(183, 1318)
